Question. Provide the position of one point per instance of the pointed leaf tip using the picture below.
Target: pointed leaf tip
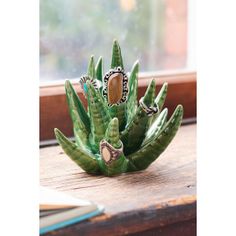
(99, 69)
(136, 64)
(179, 108)
(112, 133)
(56, 130)
(115, 121)
(58, 134)
(67, 83)
(116, 58)
(151, 86)
(153, 82)
(113, 125)
(149, 95)
(135, 67)
(91, 67)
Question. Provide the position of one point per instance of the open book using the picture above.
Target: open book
(58, 210)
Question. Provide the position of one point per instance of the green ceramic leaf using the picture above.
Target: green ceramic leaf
(91, 68)
(161, 97)
(119, 166)
(99, 69)
(151, 151)
(134, 133)
(85, 160)
(112, 134)
(99, 117)
(79, 117)
(133, 91)
(156, 127)
(160, 100)
(119, 111)
(116, 58)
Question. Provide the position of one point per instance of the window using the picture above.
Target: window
(160, 33)
(153, 31)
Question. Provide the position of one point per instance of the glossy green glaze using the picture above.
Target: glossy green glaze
(156, 127)
(86, 160)
(118, 111)
(134, 133)
(79, 117)
(160, 100)
(116, 58)
(91, 68)
(132, 103)
(112, 136)
(99, 69)
(99, 117)
(151, 151)
(118, 138)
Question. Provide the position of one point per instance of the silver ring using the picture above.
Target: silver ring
(84, 78)
(125, 90)
(149, 110)
(113, 152)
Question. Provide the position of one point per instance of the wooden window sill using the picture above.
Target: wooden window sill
(160, 200)
(54, 111)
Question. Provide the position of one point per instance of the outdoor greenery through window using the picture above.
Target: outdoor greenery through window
(153, 31)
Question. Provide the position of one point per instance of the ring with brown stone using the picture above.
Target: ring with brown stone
(149, 110)
(115, 86)
(109, 153)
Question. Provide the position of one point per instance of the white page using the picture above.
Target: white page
(52, 199)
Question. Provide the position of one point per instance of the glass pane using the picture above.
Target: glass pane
(153, 31)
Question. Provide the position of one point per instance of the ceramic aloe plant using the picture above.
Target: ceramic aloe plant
(117, 133)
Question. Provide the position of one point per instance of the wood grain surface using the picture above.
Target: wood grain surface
(164, 194)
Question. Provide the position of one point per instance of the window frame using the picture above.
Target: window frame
(54, 111)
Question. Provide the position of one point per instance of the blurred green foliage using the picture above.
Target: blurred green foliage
(70, 31)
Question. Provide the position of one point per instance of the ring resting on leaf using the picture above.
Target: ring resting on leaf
(149, 110)
(115, 86)
(108, 152)
(117, 134)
